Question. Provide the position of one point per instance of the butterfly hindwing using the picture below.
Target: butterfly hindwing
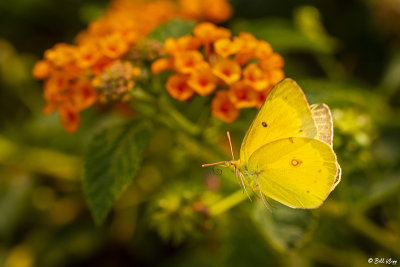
(323, 120)
(296, 171)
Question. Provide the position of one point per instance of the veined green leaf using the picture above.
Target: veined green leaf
(111, 162)
(285, 228)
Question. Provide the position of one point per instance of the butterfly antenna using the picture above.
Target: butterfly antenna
(221, 163)
(230, 144)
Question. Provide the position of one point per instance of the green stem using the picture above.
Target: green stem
(164, 106)
(178, 118)
(141, 95)
(227, 203)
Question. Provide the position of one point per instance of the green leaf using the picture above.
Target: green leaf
(284, 228)
(111, 162)
(174, 28)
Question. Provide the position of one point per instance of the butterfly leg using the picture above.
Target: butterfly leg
(263, 198)
(237, 178)
(243, 185)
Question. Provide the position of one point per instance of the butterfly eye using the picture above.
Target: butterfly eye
(264, 124)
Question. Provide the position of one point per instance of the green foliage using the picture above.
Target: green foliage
(285, 228)
(174, 28)
(111, 163)
(181, 214)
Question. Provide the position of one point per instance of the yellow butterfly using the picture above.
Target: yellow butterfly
(287, 153)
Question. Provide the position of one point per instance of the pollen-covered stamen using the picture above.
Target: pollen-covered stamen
(115, 82)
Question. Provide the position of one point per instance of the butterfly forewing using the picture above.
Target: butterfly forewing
(285, 113)
(298, 172)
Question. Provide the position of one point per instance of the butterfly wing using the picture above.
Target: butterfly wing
(323, 120)
(285, 113)
(296, 171)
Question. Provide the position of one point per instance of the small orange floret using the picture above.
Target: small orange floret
(184, 43)
(249, 41)
(178, 87)
(171, 45)
(202, 80)
(208, 32)
(275, 76)
(243, 96)
(61, 54)
(41, 70)
(274, 61)
(54, 86)
(70, 118)
(188, 42)
(247, 49)
(114, 45)
(87, 56)
(72, 69)
(101, 65)
(185, 62)
(263, 50)
(210, 10)
(160, 65)
(191, 8)
(254, 77)
(223, 108)
(217, 10)
(262, 96)
(227, 70)
(84, 95)
(225, 47)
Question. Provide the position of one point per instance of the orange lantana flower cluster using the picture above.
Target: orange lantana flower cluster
(72, 74)
(242, 69)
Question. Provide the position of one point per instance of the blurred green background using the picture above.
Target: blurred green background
(343, 53)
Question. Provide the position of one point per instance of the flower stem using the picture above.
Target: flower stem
(179, 119)
(227, 203)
